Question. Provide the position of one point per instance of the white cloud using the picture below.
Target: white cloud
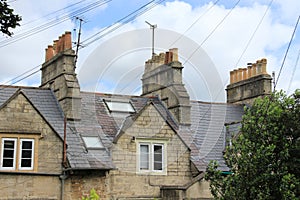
(224, 46)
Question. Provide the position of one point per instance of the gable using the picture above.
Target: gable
(18, 114)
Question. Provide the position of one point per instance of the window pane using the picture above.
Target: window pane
(8, 153)
(26, 163)
(27, 145)
(26, 153)
(144, 157)
(158, 157)
(92, 142)
(9, 144)
(119, 106)
(8, 163)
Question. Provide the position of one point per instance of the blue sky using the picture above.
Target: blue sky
(223, 37)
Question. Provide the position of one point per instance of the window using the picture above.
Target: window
(119, 106)
(9, 154)
(151, 157)
(26, 154)
(92, 142)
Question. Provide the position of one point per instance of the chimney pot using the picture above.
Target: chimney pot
(174, 52)
(68, 40)
(249, 71)
(245, 75)
(232, 77)
(49, 53)
(254, 69)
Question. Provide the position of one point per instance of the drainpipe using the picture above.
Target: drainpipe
(64, 161)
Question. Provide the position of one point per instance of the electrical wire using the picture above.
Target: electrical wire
(121, 22)
(52, 13)
(212, 32)
(293, 73)
(16, 80)
(287, 50)
(194, 23)
(52, 23)
(253, 34)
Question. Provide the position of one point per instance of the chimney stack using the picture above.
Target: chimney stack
(163, 77)
(248, 83)
(58, 73)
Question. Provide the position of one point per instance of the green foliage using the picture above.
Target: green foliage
(93, 195)
(265, 157)
(7, 18)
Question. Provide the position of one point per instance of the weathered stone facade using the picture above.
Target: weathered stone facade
(58, 73)
(126, 181)
(163, 77)
(20, 120)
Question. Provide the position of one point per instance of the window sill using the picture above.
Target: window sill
(152, 173)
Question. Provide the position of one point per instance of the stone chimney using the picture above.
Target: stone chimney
(246, 84)
(163, 77)
(58, 73)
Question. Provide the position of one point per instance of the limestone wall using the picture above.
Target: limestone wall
(20, 120)
(127, 180)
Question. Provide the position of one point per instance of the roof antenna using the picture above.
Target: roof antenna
(152, 26)
(78, 41)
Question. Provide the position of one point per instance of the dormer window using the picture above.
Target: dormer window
(92, 142)
(119, 106)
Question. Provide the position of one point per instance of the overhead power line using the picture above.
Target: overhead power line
(121, 22)
(53, 22)
(287, 50)
(212, 32)
(127, 19)
(253, 34)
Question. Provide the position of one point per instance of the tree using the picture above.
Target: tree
(264, 158)
(93, 195)
(7, 18)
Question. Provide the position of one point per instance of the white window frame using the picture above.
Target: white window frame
(14, 156)
(20, 154)
(119, 106)
(97, 145)
(151, 145)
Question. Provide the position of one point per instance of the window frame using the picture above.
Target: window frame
(92, 147)
(151, 160)
(14, 154)
(20, 154)
(109, 104)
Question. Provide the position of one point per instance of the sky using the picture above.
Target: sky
(213, 38)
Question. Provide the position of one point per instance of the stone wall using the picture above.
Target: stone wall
(19, 187)
(58, 73)
(126, 181)
(19, 119)
(80, 183)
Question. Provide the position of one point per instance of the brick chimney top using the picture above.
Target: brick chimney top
(253, 69)
(63, 43)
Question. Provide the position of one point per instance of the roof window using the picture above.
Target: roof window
(119, 106)
(92, 142)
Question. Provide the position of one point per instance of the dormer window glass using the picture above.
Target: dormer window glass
(119, 106)
(92, 142)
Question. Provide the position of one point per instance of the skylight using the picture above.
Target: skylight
(119, 106)
(92, 142)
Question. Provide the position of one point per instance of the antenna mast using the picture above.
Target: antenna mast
(78, 42)
(152, 26)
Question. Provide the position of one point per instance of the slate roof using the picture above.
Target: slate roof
(208, 131)
(206, 137)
